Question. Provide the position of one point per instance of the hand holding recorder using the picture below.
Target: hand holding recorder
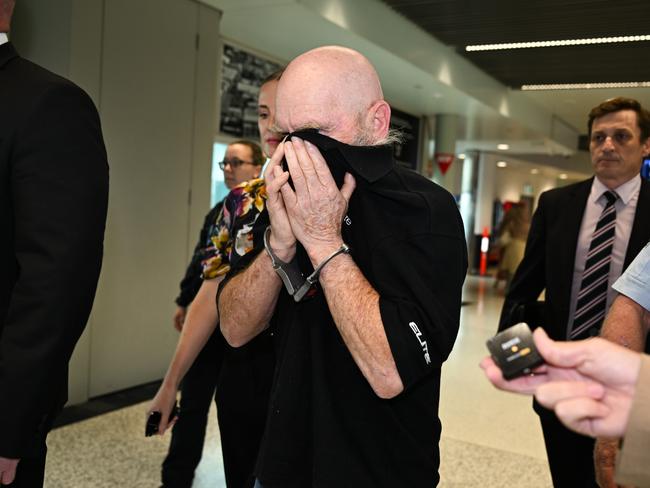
(590, 384)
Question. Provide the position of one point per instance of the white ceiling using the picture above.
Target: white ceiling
(419, 74)
(573, 106)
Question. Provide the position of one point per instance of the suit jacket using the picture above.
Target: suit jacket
(53, 201)
(551, 250)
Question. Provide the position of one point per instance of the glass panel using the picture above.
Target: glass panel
(219, 190)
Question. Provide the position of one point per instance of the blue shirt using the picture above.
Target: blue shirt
(635, 282)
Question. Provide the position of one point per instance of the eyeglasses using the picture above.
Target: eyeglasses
(234, 163)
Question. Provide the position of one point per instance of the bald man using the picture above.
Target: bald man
(360, 343)
(53, 198)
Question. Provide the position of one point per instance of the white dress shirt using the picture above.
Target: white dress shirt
(625, 209)
(3, 38)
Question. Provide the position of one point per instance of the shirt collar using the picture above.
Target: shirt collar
(625, 192)
(3, 38)
(369, 162)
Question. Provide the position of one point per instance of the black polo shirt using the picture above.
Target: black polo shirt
(326, 427)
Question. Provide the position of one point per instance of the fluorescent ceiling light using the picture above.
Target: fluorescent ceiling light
(558, 43)
(587, 86)
(503, 147)
(563, 176)
(534, 171)
(501, 164)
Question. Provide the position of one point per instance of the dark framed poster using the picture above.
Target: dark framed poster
(242, 75)
(407, 152)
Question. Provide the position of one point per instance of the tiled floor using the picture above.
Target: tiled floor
(490, 438)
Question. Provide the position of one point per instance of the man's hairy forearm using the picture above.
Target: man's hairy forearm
(354, 305)
(625, 324)
(247, 301)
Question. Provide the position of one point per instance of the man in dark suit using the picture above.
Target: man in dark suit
(582, 237)
(53, 200)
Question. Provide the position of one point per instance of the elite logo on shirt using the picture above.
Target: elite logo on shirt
(418, 335)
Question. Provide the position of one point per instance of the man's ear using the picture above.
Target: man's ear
(380, 119)
(646, 147)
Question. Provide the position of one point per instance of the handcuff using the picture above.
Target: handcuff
(294, 281)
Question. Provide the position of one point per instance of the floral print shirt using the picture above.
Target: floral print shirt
(231, 235)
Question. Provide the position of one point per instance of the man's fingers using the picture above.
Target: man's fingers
(8, 470)
(306, 161)
(349, 184)
(276, 178)
(320, 165)
(289, 197)
(550, 394)
(525, 385)
(561, 354)
(589, 357)
(580, 414)
(274, 184)
(8, 477)
(295, 170)
(276, 160)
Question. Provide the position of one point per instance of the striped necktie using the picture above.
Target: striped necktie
(592, 297)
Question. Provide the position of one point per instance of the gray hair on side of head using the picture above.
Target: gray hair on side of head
(394, 136)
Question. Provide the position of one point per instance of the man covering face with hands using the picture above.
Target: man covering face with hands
(361, 278)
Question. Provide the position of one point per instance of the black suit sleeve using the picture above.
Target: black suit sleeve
(59, 185)
(530, 278)
(192, 280)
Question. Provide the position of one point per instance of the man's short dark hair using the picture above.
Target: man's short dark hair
(275, 76)
(621, 103)
(258, 156)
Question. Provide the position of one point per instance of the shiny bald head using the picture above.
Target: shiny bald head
(6, 9)
(336, 90)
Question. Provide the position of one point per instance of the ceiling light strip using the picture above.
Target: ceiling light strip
(558, 43)
(586, 86)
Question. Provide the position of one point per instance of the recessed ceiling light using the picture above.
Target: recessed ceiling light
(587, 86)
(557, 43)
(501, 164)
(503, 147)
(461, 156)
(563, 176)
(534, 171)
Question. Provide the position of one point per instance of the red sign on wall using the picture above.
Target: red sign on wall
(444, 160)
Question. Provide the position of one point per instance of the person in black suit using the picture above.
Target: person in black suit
(560, 254)
(53, 202)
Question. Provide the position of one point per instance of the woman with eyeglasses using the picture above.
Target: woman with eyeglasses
(242, 162)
